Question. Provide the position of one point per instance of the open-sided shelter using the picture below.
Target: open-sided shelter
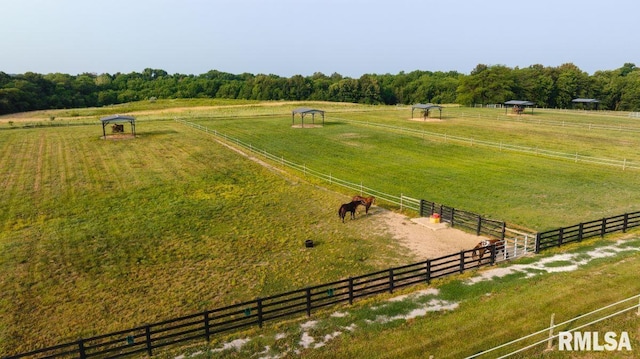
(425, 109)
(518, 106)
(586, 102)
(303, 111)
(116, 124)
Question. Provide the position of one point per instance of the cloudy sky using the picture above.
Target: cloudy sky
(290, 37)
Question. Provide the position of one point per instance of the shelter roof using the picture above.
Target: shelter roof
(303, 110)
(425, 106)
(116, 118)
(585, 100)
(519, 103)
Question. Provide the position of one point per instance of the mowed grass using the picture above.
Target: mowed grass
(523, 189)
(103, 235)
(496, 312)
(98, 236)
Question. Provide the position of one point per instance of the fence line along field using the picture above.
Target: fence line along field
(535, 191)
(172, 223)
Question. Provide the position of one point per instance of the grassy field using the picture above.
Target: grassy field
(523, 189)
(134, 231)
(480, 315)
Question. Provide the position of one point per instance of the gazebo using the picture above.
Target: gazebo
(117, 127)
(303, 111)
(425, 108)
(587, 101)
(518, 106)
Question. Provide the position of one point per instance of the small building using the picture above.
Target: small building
(425, 108)
(303, 111)
(586, 102)
(518, 106)
(117, 126)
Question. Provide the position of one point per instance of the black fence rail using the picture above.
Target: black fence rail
(600, 227)
(464, 219)
(145, 340)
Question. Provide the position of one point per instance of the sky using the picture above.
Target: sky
(302, 37)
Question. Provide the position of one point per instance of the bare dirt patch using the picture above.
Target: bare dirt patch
(306, 126)
(423, 239)
(421, 119)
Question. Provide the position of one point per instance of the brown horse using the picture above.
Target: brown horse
(366, 201)
(485, 245)
(349, 207)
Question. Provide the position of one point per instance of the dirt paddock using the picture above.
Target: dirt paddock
(425, 240)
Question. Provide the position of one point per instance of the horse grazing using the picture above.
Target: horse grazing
(366, 201)
(485, 245)
(349, 207)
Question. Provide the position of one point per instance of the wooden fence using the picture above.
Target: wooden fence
(600, 227)
(202, 326)
(464, 219)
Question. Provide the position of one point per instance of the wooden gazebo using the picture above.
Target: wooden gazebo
(117, 126)
(303, 111)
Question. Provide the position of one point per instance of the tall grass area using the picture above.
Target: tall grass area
(103, 235)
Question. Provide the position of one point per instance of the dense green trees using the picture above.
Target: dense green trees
(546, 86)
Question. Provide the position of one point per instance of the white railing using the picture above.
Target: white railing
(404, 202)
(518, 243)
(575, 157)
(548, 333)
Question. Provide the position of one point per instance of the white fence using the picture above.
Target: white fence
(518, 244)
(547, 335)
(575, 157)
(404, 202)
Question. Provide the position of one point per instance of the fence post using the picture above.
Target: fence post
(429, 273)
(504, 230)
(147, 330)
(580, 231)
(479, 226)
(259, 305)
(207, 327)
(391, 280)
(626, 223)
(560, 236)
(551, 326)
(462, 261)
(308, 290)
(537, 245)
(422, 208)
(350, 290)
(493, 252)
(81, 350)
(604, 227)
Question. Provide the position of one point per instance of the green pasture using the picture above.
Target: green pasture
(381, 148)
(102, 235)
(489, 314)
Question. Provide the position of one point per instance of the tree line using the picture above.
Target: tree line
(549, 87)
